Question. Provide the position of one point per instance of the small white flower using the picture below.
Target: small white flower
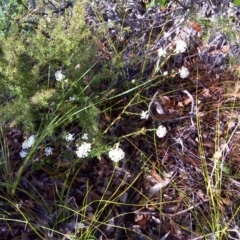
(69, 137)
(116, 154)
(181, 46)
(80, 225)
(165, 73)
(83, 150)
(85, 136)
(23, 153)
(161, 131)
(29, 142)
(162, 52)
(59, 75)
(71, 99)
(183, 72)
(25, 145)
(217, 155)
(48, 151)
(144, 115)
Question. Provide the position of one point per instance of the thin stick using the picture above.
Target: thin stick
(191, 113)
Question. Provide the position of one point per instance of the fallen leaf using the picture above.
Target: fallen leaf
(156, 188)
(197, 27)
(141, 220)
(155, 174)
(187, 101)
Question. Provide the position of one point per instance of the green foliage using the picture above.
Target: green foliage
(31, 98)
(153, 3)
(29, 92)
(41, 98)
(236, 2)
(9, 12)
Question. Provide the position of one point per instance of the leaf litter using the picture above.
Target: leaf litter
(162, 196)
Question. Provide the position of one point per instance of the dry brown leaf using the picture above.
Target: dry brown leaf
(141, 220)
(157, 187)
(226, 201)
(162, 183)
(29, 203)
(138, 217)
(197, 27)
(107, 117)
(180, 105)
(225, 49)
(159, 108)
(206, 93)
(175, 227)
(201, 194)
(155, 174)
(231, 124)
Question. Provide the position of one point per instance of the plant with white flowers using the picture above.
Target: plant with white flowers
(161, 131)
(181, 46)
(183, 72)
(59, 75)
(83, 150)
(116, 154)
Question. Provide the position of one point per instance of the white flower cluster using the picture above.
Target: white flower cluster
(116, 154)
(145, 115)
(183, 72)
(23, 153)
(26, 145)
(162, 52)
(83, 150)
(59, 75)
(71, 99)
(29, 142)
(85, 136)
(48, 151)
(161, 131)
(181, 46)
(69, 137)
(165, 73)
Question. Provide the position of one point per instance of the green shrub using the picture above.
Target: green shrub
(10, 10)
(29, 59)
